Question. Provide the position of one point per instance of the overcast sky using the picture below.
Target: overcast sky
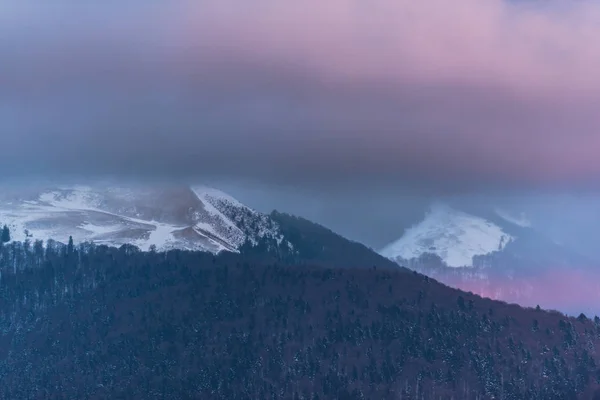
(336, 99)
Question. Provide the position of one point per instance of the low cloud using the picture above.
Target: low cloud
(437, 96)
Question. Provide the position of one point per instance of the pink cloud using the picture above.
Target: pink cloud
(544, 46)
(477, 92)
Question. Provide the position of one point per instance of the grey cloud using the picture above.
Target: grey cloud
(372, 115)
(121, 90)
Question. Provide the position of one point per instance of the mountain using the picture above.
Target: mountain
(165, 217)
(497, 253)
(472, 238)
(313, 244)
(341, 322)
(455, 236)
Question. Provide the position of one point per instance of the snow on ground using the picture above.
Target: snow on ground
(77, 198)
(100, 229)
(208, 228)
(205, 192)
(161, 237)
(253, 223)
(453, 235)
(96, 214)
(16, 223)
(208, 196)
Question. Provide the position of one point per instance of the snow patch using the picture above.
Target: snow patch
(453, 235)
(99, 229)
(237, 222)
(115, 216)
(205, 192)
(209, 196)
(161, 237)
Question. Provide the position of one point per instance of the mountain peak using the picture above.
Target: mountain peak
(165, 217)
(211, 194)
(455, 236)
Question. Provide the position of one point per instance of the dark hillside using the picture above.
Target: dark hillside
(317, 245)
(102, 323)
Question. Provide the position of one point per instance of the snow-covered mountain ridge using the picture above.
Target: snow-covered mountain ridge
(479, 237)
(192, 218)
(455, 236)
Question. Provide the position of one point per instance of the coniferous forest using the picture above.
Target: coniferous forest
(93, 322)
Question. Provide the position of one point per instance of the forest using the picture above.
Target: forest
(87, 321)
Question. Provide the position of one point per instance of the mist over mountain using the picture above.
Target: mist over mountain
(380, 216)
(498, 249)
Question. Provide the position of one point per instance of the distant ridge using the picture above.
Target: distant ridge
(161, 217)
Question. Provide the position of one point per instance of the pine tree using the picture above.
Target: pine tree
(70, 246)
(5, 237)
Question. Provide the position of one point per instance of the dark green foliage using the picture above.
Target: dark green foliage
(101, 322)
(313, 244)
(70, 246)
(5, 236)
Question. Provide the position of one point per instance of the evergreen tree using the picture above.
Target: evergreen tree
(70, 246)
(5, 237)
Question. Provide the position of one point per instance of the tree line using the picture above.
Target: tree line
(87, 321)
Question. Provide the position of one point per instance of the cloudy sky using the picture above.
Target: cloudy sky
(372, 101)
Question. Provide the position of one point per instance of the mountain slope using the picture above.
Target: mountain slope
(314, 244)
(108, 323)
(528, 268)
(455, 236)
(166, 217)
(476, 237)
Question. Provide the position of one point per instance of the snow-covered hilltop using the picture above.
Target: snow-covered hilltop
(479, 237)
(455, 236)
(196, 218)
